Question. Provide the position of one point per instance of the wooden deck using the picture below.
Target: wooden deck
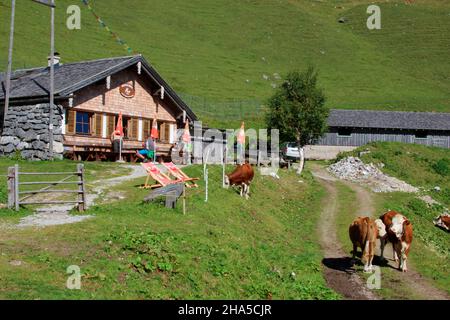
(81, 148)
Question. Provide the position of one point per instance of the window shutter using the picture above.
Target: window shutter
(98, 124)
(146, 128)
(111, 125)
(92, 124)
(70, 119)
(130, 129)
(162, 132)
(167, 132)
(135, 128)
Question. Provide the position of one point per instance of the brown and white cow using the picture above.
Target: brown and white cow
(363, 233)
(400, 233)
(242, 176)
(443, 221)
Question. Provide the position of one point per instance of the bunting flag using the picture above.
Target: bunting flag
(187, 141)
(103, 24)
(241, 135)
(241, 144)
(119, 127)
(186, 133)
(154, 133)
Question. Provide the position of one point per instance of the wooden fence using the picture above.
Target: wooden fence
(15, 194)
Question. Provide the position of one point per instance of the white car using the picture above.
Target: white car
(289, 150)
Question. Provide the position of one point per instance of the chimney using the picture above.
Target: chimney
(56, 60)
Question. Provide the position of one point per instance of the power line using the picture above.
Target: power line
(105, 26)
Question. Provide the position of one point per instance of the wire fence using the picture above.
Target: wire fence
(226, 110)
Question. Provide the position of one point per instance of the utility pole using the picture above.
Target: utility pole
(51, 4)
(8, 73)
(52, 80)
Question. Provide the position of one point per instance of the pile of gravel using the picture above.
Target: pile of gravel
(353, 169)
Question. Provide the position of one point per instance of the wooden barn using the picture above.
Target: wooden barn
(359, 127)
(89, 96)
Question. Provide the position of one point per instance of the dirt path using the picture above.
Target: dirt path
(339, 273)
(338, 270)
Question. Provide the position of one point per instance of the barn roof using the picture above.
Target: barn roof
(34, 83)
(389, 119)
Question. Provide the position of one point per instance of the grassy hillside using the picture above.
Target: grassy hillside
(225, 50)
(227, 248)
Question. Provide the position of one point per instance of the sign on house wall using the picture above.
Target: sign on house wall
(127, 91)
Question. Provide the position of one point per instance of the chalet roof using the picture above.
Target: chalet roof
(34, 83)
(389, 119)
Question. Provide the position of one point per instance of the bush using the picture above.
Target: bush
(147, 252)
(442, 167)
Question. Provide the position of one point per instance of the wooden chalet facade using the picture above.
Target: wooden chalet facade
(91, 94)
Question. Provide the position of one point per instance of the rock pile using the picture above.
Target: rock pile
(26, 131)
(353, 169)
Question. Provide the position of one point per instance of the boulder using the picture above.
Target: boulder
(7, 149)
(20, 133)
(58, 147)
(22, 119)
(39, 126)
(30, 136)
(9, 140)
(38, 145)
(27, 154)
(22, 145)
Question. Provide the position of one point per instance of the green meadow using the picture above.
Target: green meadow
(227, 248)
(229, 55)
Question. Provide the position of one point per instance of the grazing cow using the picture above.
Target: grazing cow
(241, 176)
(400, 233)
(443, 221)
(364, 233)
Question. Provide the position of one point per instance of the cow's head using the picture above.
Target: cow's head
(439, 221)
(397, 225)
(227, 182)
(381, 228)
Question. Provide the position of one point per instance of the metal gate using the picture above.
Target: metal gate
(18, 197)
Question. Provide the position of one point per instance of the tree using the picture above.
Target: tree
(297, 109)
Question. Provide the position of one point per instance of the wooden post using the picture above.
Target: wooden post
(81, 188)
(205, 175)
(206, 185)
(184, 198)
(11, 188)
(224, 163)
(16, 186)
(259, 158)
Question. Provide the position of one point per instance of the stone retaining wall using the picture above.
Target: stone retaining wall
(325, 152)
(25, 132)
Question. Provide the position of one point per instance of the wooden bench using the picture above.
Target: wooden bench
(171, 193)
